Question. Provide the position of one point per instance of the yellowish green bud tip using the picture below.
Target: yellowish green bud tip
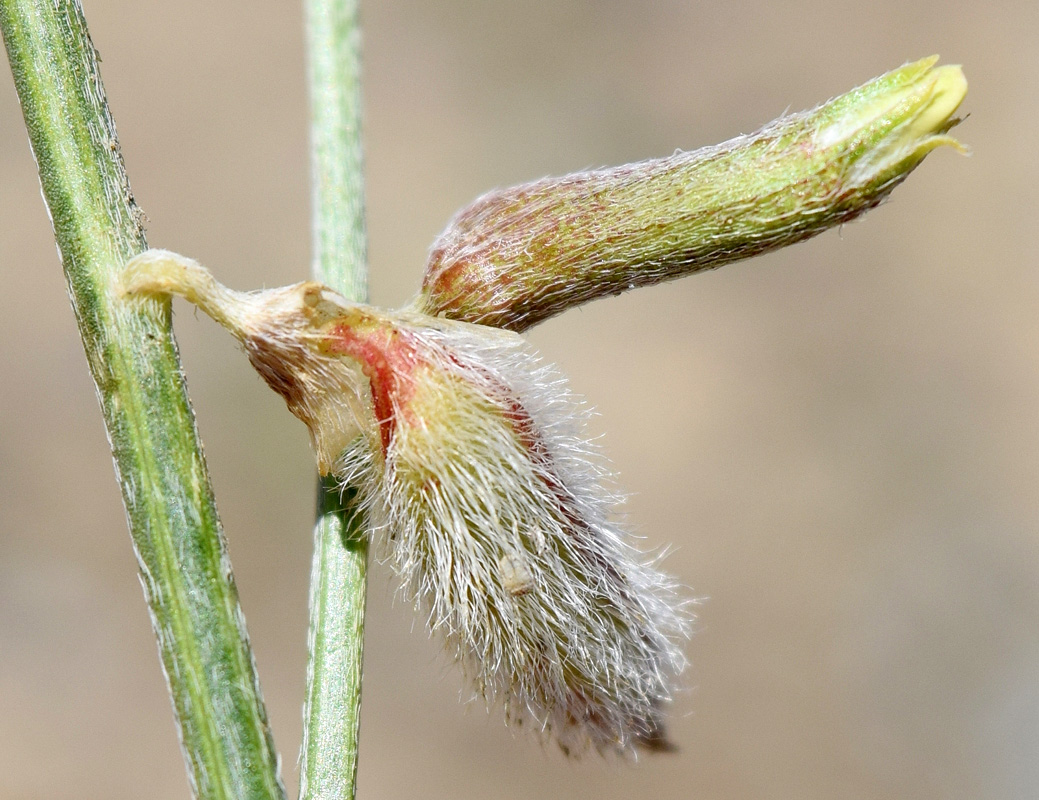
(895, 120)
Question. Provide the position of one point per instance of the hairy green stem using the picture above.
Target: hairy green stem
(331, 716)
(133, 359)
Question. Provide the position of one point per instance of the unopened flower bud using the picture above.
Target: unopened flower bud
(468, 454)
(518, 256)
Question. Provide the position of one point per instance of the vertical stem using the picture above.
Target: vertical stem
(340, 253)
(133, 359)
(338, 576)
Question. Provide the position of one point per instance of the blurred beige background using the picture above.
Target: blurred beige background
(840, 439)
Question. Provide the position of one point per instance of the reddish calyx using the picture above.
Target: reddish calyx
(387, 356)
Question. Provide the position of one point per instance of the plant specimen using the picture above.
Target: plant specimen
(466, 452)
(461, 452)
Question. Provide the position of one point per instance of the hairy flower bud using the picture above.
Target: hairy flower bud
(468, 455)
(518, 256)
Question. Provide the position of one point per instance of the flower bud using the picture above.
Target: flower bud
(518, 256)
(468, 456)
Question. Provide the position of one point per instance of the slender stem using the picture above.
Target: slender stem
(340, 253)
(133, 359)
(332, 714)
(338, 578)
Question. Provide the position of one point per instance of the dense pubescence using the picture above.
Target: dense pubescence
(494, 514)
(490, 504)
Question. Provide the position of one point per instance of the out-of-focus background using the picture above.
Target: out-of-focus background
(840, 440)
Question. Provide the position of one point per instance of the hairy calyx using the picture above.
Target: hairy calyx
(488, 501)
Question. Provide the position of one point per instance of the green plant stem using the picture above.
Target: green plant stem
(331, 717)
(133, 359)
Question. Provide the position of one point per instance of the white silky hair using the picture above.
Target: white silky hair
(493, 510)
(486, 498)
